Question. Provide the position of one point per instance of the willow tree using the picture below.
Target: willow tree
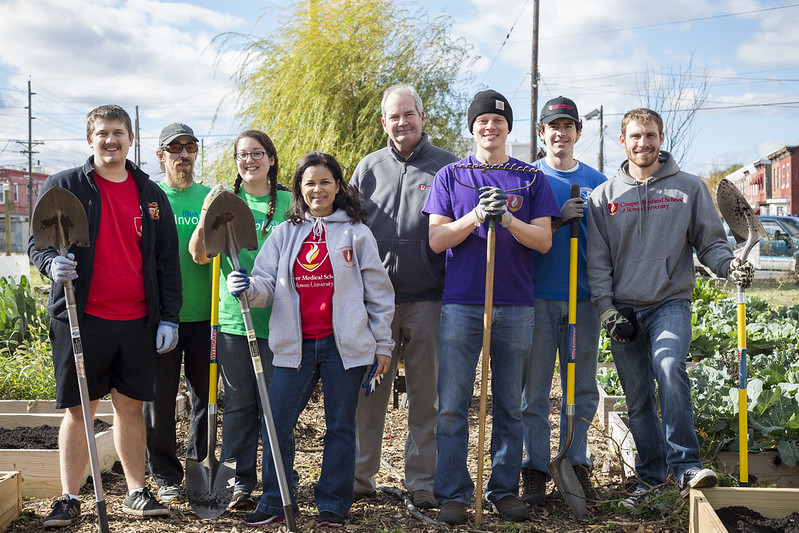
(315, 82)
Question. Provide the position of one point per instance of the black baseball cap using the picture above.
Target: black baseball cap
(560, 107)
(173, 131)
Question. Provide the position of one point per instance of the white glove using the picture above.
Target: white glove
(166, 338)
(215, 191)
(372, 380)
(237, 282)
(62, 269)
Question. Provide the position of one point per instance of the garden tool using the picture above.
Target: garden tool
(560, 468)
(209, 484)
(745, 226)
(487, 315)
(230, 228)
(59, 221)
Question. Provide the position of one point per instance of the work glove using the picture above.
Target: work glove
(372, 380)
(742, 274)
(493, 203)
(573, 208)
(215, 191)
(166, 337)
(617, 326)
(238, 282)
(62, 269)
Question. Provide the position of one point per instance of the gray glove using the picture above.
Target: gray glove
(166, 337)
(62, 269)
(617, 326)
(493, 203)
(742, 274)
(573, 208)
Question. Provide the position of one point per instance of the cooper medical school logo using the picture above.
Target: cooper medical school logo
(613, 208)
(662, 202)
(514, 202)
(311, 259)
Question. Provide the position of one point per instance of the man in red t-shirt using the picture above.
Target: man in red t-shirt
(128, 295)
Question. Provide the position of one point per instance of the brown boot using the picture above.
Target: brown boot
(534, 486)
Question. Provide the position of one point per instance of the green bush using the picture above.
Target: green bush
(26, 372)
(21, 316)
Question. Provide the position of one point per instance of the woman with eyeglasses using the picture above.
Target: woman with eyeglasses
(333, 305)
(256, 183)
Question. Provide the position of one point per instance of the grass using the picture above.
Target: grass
(779, 292)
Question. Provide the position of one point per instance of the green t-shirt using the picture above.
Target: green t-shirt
(230, 320)
(196, 279)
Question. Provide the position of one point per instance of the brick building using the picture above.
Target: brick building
(14, 186)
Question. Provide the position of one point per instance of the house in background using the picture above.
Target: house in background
(771, 184)
(14, 187)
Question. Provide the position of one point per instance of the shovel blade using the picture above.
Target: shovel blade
(560, 468)
(209, 486)
(739, 215)
(229, 215)
(59, 220)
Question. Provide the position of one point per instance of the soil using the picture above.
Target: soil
(38, 437)
(387, 512)
(739, 519)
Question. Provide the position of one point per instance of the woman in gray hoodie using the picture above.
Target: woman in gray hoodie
(332, 306)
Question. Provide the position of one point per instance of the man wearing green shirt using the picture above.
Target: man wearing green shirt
(177, 152)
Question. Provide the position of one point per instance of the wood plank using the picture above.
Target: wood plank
(702, 517)
(606, 405)
(182, 406)
(10, 498)
(622, 440)
(766, 466)
(770, 502)
(13, 420)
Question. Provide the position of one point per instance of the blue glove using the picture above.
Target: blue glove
(372, 380)
(166, 338)
(62, 269)
(238, 282)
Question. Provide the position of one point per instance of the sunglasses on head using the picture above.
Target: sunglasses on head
(176, 148)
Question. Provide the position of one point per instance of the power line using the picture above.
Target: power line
(507, 36)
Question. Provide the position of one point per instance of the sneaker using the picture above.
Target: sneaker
(512, 509)
(257, 518)
(143, 503)
(697, 479)
(241, 498)
(328, 519)
(169, 493)
(66, 511)
(424, 499)
(638, 494)
(583, 474)
(534, 486)
(453, 513)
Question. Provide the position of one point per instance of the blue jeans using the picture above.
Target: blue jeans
(551, 335)
(289, 394)
(658, 352)
(241, 415)
(461, 341)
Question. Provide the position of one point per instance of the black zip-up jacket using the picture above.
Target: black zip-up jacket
(160, 262)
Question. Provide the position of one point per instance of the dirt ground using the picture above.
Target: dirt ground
(387, 512)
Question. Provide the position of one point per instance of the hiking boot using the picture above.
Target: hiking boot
(143, 503)
(257, 518)
(583, 474)
(169, 493)
(424, 499)
(512, 509)
(534, 486)
(66, 511)
(242, 498)
(328, 519)
(453, 513)
(697, 479)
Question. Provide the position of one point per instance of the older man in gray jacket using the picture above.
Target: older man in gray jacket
(394, 182)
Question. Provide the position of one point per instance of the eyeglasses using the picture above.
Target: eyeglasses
(242, 156)
(176, 148)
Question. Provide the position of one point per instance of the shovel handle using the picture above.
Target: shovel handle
(574, 231)
(743, 437)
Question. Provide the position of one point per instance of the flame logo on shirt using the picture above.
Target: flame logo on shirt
(514, 202)
(152, 207)
(613, 208)
(311, 261)
(137, 225)
(347, 253)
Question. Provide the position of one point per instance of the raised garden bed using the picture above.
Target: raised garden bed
(771, 503)
(607, 404)
(48, 406)
(766, 466)
(623, 441)
(40, 468)
(10, 498)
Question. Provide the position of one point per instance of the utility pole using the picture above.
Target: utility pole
(9, 207)
(30, 154)
(534, 87)
(137, 146)
(601, 114)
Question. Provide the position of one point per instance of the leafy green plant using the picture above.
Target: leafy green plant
(608, 379)
(26, 371)
(21, 316)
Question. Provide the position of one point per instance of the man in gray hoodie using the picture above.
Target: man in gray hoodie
(643, 227)
(394, 182)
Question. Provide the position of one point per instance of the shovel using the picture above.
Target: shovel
(209, 484)
(745, 226)
(59, 221)
(560, 468)
(230, 228)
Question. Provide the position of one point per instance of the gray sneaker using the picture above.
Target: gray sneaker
(66, 512)
(697, 479)
(170, 493)
(143, 503)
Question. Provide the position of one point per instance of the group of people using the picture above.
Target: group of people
(350, 278)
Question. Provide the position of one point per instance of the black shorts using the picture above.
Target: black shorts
(118, 354)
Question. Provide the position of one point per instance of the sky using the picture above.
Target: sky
(162, 57)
